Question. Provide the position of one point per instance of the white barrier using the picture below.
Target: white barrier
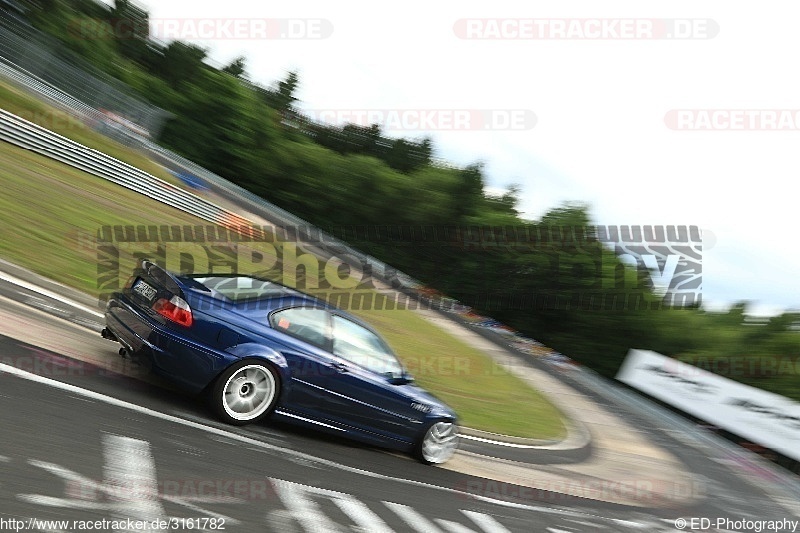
(768, 419)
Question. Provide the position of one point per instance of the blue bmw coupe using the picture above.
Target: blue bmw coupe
(260, 349)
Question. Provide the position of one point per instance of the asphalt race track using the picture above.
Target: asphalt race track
(87, 438)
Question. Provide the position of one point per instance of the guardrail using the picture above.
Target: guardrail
(33, 137)
(53, 95)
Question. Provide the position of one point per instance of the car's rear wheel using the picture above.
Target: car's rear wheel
(246, 392)
(439, 442)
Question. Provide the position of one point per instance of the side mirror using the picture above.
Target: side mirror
(404, 379)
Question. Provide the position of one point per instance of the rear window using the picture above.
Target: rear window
(242, 288)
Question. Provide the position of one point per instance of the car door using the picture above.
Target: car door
(360, 393)
(306, 337)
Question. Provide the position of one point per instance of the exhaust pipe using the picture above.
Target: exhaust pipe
(125, 351)
(128, 355)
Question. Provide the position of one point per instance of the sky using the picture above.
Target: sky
(682, 113)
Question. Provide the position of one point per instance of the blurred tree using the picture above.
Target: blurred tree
(235, 68)
(283, 98)
(734, 316)
(130, 26)
(399, 156)
(468, 191)
(181, 63)
(91, 39)
(217, 124)
(507, 202)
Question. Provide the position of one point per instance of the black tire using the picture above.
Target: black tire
(246, 392)
(438, 442)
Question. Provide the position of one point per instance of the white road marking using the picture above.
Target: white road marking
(362, 515)
(410, 516)
(629, 523)
(130, 485)
(453, 527)
(298, 499)
(486, 522)
(4, 459)
(44, 292)
(75, 483)
(130, 473)
(303, 509)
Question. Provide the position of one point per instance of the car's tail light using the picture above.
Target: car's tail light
(175, 309)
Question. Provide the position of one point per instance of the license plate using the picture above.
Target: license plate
(142, 288)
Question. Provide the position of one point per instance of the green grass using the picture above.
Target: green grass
(485, 395)
(49, 211)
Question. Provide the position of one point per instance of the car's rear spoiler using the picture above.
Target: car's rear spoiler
(161, 276)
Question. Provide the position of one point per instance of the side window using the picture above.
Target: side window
(359, 345)
(307, 324)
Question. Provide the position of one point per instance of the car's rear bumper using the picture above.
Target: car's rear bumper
(163, 350)
(135, 333)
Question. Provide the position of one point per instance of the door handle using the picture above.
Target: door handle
(339, 367)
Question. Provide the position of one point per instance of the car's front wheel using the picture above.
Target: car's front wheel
(439, 442)
(246, 392)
